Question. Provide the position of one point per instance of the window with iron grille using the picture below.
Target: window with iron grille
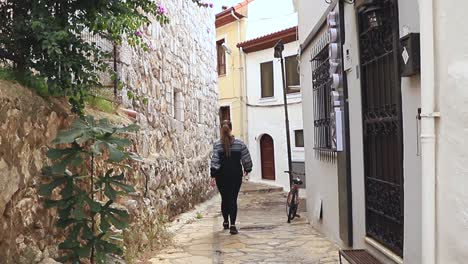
(321, 89)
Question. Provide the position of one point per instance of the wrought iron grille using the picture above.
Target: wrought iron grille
(382, 125)
(321, 98)
(109, 82)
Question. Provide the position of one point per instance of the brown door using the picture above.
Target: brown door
(225, 113)
(267, 152)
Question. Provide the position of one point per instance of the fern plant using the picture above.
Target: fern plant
(84, 196)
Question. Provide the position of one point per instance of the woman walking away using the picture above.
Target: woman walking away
(230, 160)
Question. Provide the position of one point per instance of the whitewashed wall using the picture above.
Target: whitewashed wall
(322, 176)
(451, 82)
(266, 115)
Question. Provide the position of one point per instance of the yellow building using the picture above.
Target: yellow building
(230, 30)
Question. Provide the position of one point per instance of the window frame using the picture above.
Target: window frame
(221, 119)
(288, 88)
(262, 95)
(221, 60)
(178, 106)
(296, 137)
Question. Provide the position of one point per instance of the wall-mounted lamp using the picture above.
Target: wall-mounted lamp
(226, 48)
(279, 47)
(373, 12)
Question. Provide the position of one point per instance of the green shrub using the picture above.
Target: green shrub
(86, 198)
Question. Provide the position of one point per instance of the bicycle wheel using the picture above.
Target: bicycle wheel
(291, 205)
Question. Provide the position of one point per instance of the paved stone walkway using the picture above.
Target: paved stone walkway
(264, 235)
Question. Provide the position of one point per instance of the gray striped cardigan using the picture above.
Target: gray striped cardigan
(237, 147)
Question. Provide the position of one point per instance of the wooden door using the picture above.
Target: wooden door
(267, 152)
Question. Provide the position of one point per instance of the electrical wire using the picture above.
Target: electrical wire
(273, 17)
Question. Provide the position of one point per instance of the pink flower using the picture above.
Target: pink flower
(138, 33)
(162, 10)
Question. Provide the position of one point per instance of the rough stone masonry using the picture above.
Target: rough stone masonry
(174, 93)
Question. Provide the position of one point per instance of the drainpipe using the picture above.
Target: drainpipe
(242, 127)
(428, 136)
(244, 86)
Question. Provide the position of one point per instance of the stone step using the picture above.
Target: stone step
(251, 187)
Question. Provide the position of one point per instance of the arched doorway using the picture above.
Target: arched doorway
(267, 152)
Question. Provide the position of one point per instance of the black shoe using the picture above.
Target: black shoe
(226, 225)
(233, 230)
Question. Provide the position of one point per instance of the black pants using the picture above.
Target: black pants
(229, 189)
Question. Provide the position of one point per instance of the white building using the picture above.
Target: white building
(398, 186)
(265, 107)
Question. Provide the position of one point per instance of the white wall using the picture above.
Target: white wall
(410, 90)
(411, 101)
(266, 116)
(322, 176)
(451, 48)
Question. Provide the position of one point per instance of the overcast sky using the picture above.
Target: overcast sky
(265, 16)
(219, 3)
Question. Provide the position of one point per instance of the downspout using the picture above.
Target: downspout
(428, 136)
(244, 85)
(242, 128)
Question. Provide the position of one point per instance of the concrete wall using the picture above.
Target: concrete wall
(266, 115)
(451, 49)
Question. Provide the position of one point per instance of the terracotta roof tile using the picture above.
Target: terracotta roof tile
(224, 17)
(269, 40)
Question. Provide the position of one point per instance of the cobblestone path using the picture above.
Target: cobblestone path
(264, 236)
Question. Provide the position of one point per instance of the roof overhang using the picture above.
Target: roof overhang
(227, 17)
(268, 41)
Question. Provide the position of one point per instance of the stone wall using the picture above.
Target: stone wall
(174, 92)
(27, 124)
(174, 88)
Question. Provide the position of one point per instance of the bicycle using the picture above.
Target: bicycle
(292, 202)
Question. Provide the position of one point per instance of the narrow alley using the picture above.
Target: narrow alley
(264, 235)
